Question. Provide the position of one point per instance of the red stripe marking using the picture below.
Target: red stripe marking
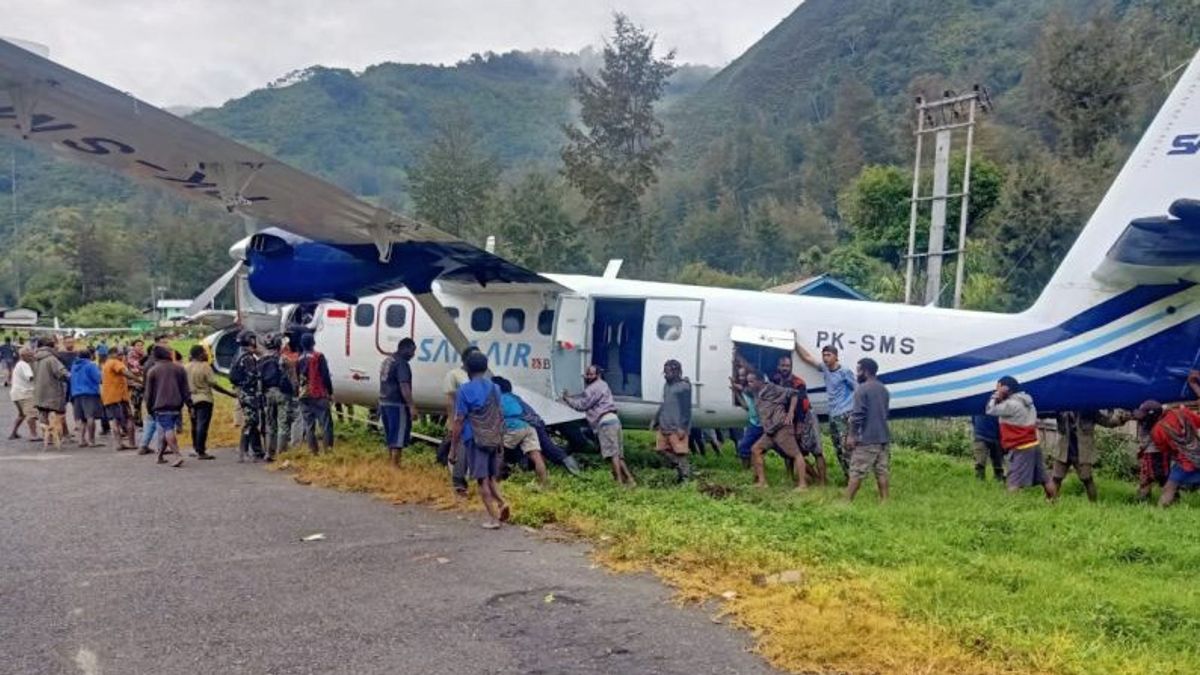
(337, 313)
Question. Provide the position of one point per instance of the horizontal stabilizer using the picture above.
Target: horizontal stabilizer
(1156, 250)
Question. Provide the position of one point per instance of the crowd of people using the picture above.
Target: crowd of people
(282, 379)
(113, 391)
(101, 390)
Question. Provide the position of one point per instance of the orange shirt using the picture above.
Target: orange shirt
(114, 388)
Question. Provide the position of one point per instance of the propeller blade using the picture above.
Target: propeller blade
(204, 299)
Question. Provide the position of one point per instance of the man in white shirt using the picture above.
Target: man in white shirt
(22, 395)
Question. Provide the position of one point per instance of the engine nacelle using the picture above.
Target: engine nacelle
(287, 270)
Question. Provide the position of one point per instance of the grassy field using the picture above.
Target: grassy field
(951, 575)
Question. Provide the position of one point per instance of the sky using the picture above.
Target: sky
(202, 53)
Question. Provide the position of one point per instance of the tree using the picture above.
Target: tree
(453, 186)
(1040, 213)
(699, 274)
(535, 230)
(615, 157)
(1085, 75)
(104, 314)
(876, 209)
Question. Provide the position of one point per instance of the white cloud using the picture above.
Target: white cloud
(171, 52)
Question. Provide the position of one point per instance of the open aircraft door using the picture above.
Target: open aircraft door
(671, 330)
(570, 354)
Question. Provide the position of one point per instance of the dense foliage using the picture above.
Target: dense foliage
(104, 314)
(793, 160)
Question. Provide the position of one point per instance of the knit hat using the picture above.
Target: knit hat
(1148, 409)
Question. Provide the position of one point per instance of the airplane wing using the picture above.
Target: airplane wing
(1156, 250)
(77, 117)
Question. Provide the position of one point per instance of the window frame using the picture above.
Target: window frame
(359, 309)
(516, 312)
(660, 328)
(546, 318)
(387, 313)
(491, 319)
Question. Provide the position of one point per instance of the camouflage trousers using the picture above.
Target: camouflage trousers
(839, 428)
(279, 416)
(252, 424)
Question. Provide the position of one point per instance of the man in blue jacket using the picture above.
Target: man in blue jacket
(85, 397)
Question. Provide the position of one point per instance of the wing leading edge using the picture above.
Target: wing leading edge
(77, 117)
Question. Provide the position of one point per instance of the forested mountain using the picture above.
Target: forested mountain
(816, 120)
(795, 159)
(365, 132)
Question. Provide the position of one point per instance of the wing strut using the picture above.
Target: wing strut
(24, 100)
(442, 319)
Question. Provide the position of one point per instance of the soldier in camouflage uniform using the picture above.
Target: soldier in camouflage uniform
(278, 376)
(246, 376)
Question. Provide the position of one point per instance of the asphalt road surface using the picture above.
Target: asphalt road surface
(112, 564)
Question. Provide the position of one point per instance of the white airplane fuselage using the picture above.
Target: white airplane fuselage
(935, 361)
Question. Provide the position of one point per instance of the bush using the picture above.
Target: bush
(943, 436)
(103, 315)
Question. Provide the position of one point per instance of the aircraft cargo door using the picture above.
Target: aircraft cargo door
(671, 330)
(570, 353)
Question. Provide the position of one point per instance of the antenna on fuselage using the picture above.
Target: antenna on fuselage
(613, 268)
(490, 244)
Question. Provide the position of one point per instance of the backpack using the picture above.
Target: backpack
(239, 374)
(312, 385)
(270, 372)
(487, 422)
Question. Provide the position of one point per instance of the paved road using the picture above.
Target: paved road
(111, 564)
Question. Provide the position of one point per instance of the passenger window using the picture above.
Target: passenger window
(364, 315)
(670, 328)
(513, 321)
(395, 316)
(453, 312)
(546, 321)
(481, 320)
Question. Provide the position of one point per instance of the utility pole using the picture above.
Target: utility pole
(13, 235)
(942, 118)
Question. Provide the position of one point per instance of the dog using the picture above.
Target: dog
(52, 429)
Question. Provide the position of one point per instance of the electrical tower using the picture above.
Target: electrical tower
(942, 118)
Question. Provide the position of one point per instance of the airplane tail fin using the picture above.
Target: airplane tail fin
(1146, 230)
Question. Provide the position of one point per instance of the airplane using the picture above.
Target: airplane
(1119, 321)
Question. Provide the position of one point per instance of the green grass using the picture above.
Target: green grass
(1011, 581)
(1113, 584)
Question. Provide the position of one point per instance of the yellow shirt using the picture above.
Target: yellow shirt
(114, 388)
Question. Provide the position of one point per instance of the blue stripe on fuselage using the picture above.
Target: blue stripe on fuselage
(1090, 319)
(1153, 368)
(1034, 364)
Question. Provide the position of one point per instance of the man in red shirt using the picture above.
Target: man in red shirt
(1176, 433)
